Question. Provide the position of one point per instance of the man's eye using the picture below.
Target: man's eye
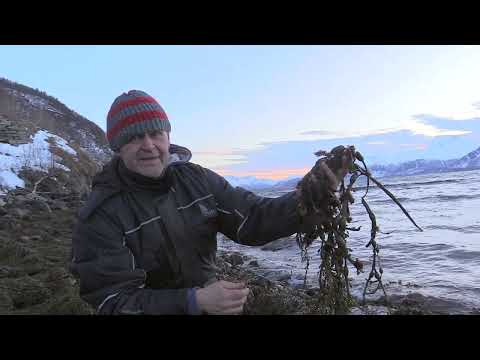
(137, 138)
(158, 134)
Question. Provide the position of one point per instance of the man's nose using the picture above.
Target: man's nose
(147, 142)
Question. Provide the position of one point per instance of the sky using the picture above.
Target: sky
(263, 110)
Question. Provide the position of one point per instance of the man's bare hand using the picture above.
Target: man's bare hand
(324, 178)
(222, 298)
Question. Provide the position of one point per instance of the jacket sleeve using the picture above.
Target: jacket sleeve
(250, 219)
(109, 279)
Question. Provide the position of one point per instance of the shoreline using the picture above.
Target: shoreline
(273, 296)
(35, 246)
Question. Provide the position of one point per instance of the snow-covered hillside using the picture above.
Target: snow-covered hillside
(36, 155)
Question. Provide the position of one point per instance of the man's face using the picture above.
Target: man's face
(147, 154)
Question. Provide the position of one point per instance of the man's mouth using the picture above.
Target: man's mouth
(150, 158)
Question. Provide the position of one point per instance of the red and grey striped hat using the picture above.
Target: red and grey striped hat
(131, 114)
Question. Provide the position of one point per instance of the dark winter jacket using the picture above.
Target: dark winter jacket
(141, 250)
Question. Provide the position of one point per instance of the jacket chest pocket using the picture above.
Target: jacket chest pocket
(200, 219)
(145, 241)
(200, 213)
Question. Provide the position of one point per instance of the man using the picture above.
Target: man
(145, 241)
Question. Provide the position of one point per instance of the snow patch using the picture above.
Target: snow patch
(9, 179)
(35, 155)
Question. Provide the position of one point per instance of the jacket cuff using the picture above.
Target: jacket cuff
(192, 306)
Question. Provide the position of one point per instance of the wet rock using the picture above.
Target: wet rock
(277, 276)
(235, 259)
(279, 244)
(312, 292)
(253, 263)
(416, 303)
(281, 277)
(370, 310)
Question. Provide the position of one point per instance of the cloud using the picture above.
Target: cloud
(376, 142)
(319, 132)
(433, 126)
(476, 105)
(414, 146)
(214, 153)
(432, 131)
(426, 136)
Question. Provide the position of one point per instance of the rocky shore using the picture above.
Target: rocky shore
(35, 240)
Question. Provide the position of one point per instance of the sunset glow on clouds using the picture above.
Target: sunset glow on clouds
(280, 174)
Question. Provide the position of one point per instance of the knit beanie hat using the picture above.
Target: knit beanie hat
(134, 113)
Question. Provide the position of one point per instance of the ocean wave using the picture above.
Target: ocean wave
(408, 184)
(441, 198)
(460, 254)
(471, 229)
(426, 249)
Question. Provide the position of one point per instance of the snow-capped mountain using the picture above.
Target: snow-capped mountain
(471, 160)
(468, 162)
(250, 182)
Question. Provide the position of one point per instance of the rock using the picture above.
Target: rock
(235, 259)
(369, 310)
(253, 263)
(416, 303)
(282, 277)
(279, 244)
(33, 264)
(25, 291)
(21, 213)
(6, 303)
(35, 197)
(58, 205)
(312, 292)
(38, 205)
(18, 199)
(278, 276)
(2, 203)
(10, 272)
(13, 250)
